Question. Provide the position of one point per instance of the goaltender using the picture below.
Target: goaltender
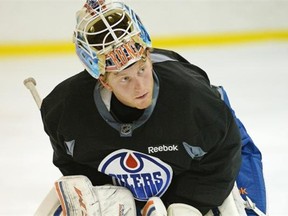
(141, 117)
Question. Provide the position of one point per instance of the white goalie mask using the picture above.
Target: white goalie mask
(109, 37)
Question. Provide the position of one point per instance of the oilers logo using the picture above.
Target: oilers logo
(144, 175)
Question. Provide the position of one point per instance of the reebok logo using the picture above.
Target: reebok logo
(164, 148)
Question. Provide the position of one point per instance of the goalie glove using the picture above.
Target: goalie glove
(78, 197)
(154, 207)
(178, 209)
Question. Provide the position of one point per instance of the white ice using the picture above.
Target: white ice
(254, 75)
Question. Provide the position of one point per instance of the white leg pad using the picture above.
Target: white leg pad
(228, 207)
(178, 209)
(239, 202)
(232, 205)
(115, 200)
(78, 197)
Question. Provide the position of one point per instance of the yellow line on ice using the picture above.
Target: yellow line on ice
(193, 40)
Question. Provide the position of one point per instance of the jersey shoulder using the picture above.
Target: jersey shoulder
(71, 87)
(66, 96)
(159, 56)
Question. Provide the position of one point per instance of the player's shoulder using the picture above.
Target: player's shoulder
(161, 55)
(76, 81)
(74, 85)
(71, 89)
(174, 59)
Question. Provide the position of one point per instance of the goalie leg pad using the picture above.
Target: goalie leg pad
(78, 197)
(115, 200)
(229, 207)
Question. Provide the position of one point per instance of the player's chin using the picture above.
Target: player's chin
(143, 104)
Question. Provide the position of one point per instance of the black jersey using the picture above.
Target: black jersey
(187, 136)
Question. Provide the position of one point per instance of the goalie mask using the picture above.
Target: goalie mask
(109, 37)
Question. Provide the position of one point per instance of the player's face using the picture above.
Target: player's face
(134, 85)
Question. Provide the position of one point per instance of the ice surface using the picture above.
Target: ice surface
(254, 75)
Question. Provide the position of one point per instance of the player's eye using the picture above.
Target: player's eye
(141, 70)
(125, 79)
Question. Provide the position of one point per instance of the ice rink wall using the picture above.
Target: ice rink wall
(30, 27)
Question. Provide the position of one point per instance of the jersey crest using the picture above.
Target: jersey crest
(144, 175)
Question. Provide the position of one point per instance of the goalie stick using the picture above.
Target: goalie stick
(30, 83)
(50, 204)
